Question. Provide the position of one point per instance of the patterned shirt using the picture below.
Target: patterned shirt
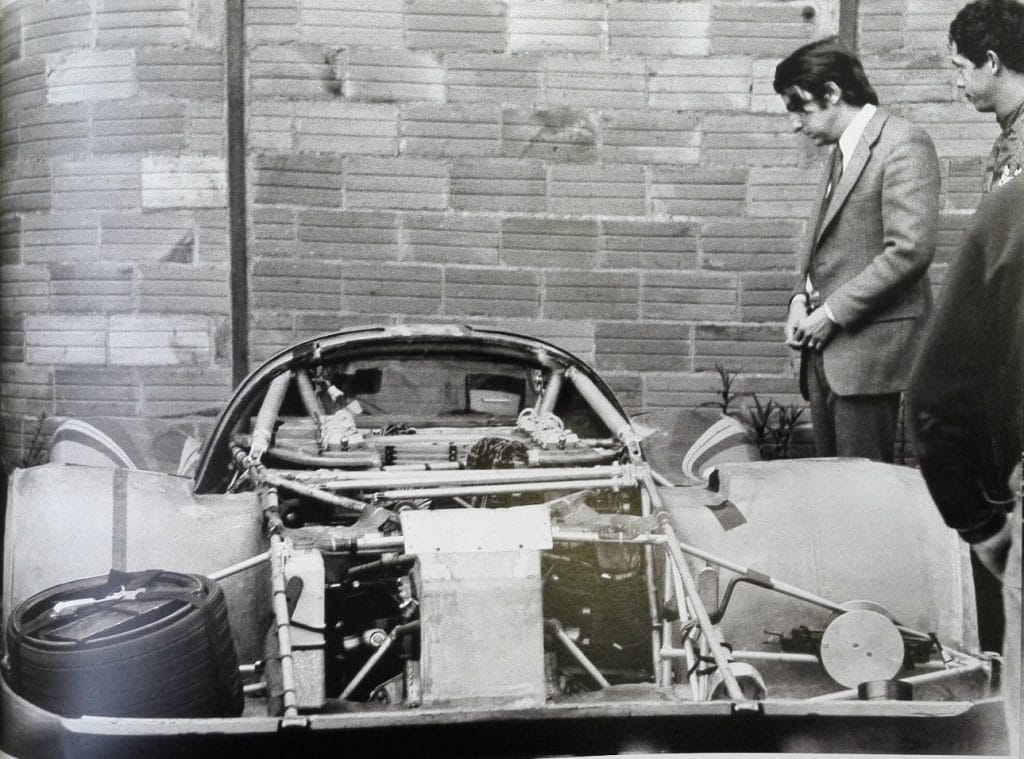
(1007, 157)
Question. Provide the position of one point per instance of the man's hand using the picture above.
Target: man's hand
(993, 552)
(814, 330)
(797, 311)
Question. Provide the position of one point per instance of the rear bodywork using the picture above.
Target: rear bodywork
(453, 537)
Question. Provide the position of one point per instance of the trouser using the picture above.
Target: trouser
(850, 425)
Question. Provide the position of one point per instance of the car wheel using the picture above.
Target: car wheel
(140, 644)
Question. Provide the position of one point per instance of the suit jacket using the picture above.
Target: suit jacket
(870, 258)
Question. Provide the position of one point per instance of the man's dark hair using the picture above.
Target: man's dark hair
(996, 25)
(811, 66)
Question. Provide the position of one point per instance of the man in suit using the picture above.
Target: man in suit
(860, 303)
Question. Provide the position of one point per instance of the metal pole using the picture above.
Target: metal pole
(581, 657)
(928, 677)
(393, 636)
(241, 566)
(624, 473)
(280, 605)
(693, 596)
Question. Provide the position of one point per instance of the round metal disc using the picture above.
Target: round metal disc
(859, 646)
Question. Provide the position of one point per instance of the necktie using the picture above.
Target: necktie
(835, 171)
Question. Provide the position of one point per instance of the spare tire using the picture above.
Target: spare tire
(151, 644)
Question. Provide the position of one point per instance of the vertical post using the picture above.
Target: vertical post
(848, 31)
(238, 236)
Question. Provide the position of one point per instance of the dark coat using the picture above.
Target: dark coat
(967, 393)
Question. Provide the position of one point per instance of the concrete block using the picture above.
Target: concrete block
(957, 129)
(642, 346)
(918, 77)
(271, 126)
(447, 238)
(698, 191)
(10, 35)
(272, 21)
(494, 184)
(576, 294)
(65, 339)
(763, 97)
(23, 84)
(572, 335)
(54, 130)
(963, 182)
(651, 29)
(138, 127)
(774, 29)
(142, 22)
(346, 128)
(556, 135)
(399, 183)
(295, 286)
(391, 289)
(191, 73)
(91, 75)
(649, 137)
(136, 236)
(24, 290)
(764, 296)
(493, 78)
(755, 348)
(562, 26)
(273, 224)
(455, 24)
(348, 235)
(26, 186)
(927, 23)
(491, 292)
(207, 128)
(697, 83)
(184, 390)
(642, 244)
(750, 245)
(292, 72)
(212, 243)
(184, 181)
(951, 227)
(61, 236)
(97, 183)
(392, 75)
(182, 288)
(89, 391)
(451, 130)
(10, 240)
(159, 340)
(594, 82)
(373, 23)
(549, 243)
(56, 27)
(612, 190)
(750, 140)
(689, 296)
(783, 193)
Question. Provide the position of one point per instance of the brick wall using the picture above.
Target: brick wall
(617, 177)
(114, 271)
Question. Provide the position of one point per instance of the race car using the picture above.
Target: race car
(444, 540)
